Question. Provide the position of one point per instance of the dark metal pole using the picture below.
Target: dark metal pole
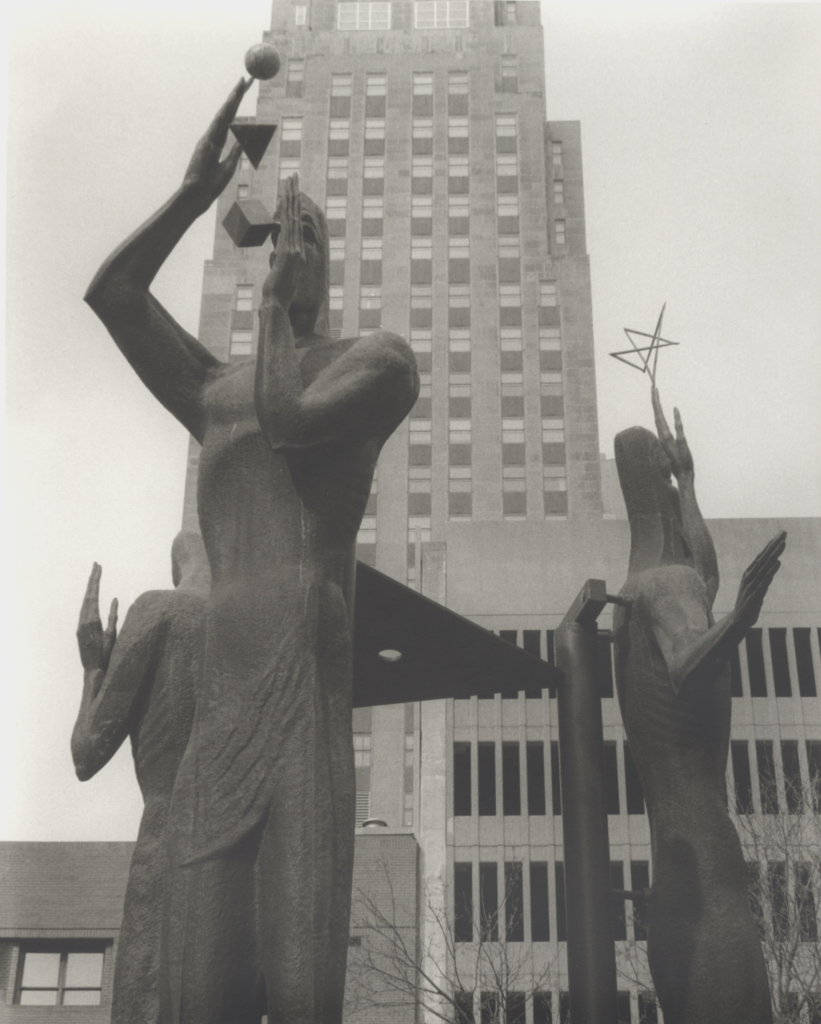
(591, 956)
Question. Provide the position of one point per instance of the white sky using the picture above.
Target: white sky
(702, 150)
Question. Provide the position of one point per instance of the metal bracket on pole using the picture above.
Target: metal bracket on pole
(591, 956)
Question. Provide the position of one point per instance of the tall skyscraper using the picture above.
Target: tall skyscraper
(457, 220)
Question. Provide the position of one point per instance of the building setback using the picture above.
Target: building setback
(456, 214)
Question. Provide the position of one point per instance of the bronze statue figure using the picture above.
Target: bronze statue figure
(673, 682)
(262, 817)
(143, 683)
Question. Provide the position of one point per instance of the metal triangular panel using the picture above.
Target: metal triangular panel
(254, 139)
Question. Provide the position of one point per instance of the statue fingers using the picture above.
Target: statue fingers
(112, 617)
(90, 609)
(218, 129)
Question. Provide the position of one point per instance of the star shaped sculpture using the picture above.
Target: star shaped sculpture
(644, 353)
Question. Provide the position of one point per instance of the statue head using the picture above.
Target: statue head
(188, 557)
(309, 310)
(652, 500)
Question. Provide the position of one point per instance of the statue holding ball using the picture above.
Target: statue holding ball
(261, 826)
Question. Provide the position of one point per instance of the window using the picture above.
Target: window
(489, 901)
(803, 662)
(245, 298)
(543, 1007)
(539, 903)
(295, 75)
(458, 127)
(552, 430)
(371, 249)
(461, 779)
(510, 73)
(423, 83)
(463, 1004)
(511, 793)
(340, 129)
(792, 776)
(244, 163)
(459, 248)
(288, 165)
(337, 167)
(556, 153)
(755, 663)
(374, 167)
(370, 297)
(463, 902)
(507, 165)
(742, 781)
(510, 295)
(336, 207)
(487, 779)
(777, 879)
(507, 206)
(300, 15)
(780, 662)
(421, 249)
(418, 526)
(460, 479)
(547, 293)
(554, 478)
(639, 880)
(241, 343)
(373, 207)
(805, 903)
(335, 297)
(535, 777)
(442, 14)
(458, 166)
(459, 296)
(766, 776)
(292, 129)
(374, 127)
(421, 207)
(459, 431)
(419, 480)
(243, 192)
(458, 83)
(458, 214)
(421, 296)
(814, 764)
(561, 906)
(556, 788)
(419, 431)
(362, 743)
(619, 916)
(459, 341)
(422, 128)
(67, 976)
(513, 477)
(359, 16)
(635, 794)
(558, 192)
(376, 85)
(560, 234)
(508, 247)
(341, 85)
(506, 126)
(422, 166)
(514, 905)
(367, 535)
(513, 431)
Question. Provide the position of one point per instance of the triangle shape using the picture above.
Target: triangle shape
(254, 139)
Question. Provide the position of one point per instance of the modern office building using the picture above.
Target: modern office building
(456, 216)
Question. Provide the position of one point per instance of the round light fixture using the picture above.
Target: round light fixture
(389, 655)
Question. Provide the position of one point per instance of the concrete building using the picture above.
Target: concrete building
(456, 214)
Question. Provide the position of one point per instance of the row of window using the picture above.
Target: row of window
(525, 792)
(782, 682)
(781, 899)
(428, 14)
(490, 1008)
(500, 913)
(801, 790)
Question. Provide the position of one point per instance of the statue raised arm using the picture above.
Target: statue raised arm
(672, 676)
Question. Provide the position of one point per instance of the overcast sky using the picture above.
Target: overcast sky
(702, 149)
